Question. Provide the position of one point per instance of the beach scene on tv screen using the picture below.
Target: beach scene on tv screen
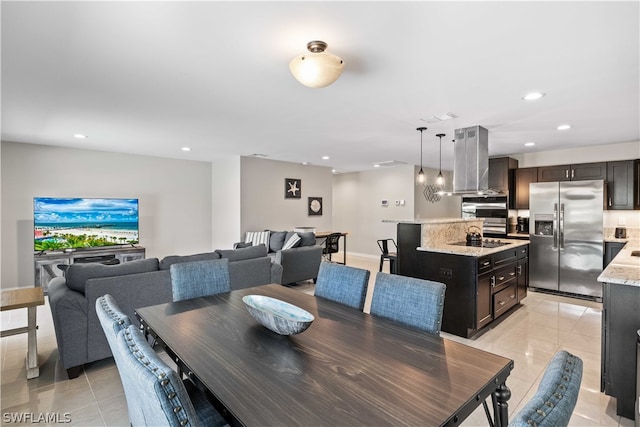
(63, 223)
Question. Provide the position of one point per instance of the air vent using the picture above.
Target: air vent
(389, 163)
(258, 155)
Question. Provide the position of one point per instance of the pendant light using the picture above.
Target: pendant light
(421, 178)
(440, 178)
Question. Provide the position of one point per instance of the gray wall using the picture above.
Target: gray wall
(175, 198)
(226, 202)
(263, 205)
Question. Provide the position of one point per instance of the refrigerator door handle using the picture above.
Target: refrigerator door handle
(561, 226)
(555, 226)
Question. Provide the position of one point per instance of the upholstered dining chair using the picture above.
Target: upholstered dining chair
(389, 251)
(414, 302)
(556, 397)
(343, 284)
(199, 278)
(155, 394)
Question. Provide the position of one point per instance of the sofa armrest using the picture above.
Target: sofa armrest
(300, 263)
(130, 292)
(276, 273)
(69, 313)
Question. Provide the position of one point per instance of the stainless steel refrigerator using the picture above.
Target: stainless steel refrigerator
(565, 231)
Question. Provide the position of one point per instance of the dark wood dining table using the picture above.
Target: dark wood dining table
(349, 368)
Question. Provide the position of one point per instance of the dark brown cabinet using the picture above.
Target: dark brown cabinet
(579, 172)
(522, 271)
(524, 177)
(611, 249)
(502, 177)
(621, 185)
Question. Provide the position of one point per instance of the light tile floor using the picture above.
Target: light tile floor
(530, 336)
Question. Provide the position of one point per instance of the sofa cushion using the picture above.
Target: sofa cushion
(293, 241)
(307, 238)
(258, 237)
(166, 262)
(276, 241)
(78, 274)
(241, 245)
(255, 251)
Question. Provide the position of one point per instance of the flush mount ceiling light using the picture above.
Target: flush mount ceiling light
(186, 149)
(529, 144)
(316, 68)
(564, 127)
(421, 178)
(80, 136)
(533, 96)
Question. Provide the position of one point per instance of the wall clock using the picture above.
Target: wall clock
(292, 188)
(315, 206)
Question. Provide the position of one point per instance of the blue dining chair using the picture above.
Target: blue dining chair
(414, 302)
(339, 283)
(155, 394)
(556, 397)
(199, 278)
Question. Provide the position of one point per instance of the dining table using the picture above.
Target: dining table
(348, 368)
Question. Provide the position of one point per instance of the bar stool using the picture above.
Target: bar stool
(384, 245)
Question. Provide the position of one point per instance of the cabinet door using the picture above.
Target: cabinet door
(586, 171)
(499, 174)
(636, 184)
(483, 300)
(523, 278)
(620, 191)
(611, 249)
(553, 173)
(524, 177)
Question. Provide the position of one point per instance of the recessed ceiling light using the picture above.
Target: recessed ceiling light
(529, 144)
(376, 165)
(564, 127)
(186, 149)
(533, 96)
(305, 163)
(325, 157)
(334, 171)
(80, 136)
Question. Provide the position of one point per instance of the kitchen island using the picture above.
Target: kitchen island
(620, 323)
(483, 283)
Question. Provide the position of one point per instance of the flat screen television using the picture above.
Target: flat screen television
(83, 223)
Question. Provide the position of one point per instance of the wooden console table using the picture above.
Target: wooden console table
(29, 298)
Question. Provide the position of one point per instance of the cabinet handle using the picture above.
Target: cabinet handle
(493, 281)
(573, 172)
(513, 273)
(501, 278)
(486, 263)
(501, 302)
(609, 201)
(566, 173)
(519, 270)
(512, 296)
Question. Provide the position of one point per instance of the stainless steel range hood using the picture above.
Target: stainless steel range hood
(471, 162)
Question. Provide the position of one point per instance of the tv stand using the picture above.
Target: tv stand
(46, 264)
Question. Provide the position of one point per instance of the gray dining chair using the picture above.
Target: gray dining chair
(414, 302)
(155, 394)
(556, 397)
(199, 278)
(342, 284)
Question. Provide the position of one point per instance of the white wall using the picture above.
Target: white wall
(263, 205)
(226, 202)
(358, 209)
(447, 207)
(175, 198)
(596, 153)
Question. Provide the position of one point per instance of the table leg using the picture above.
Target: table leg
(500, 398)
(33, 370)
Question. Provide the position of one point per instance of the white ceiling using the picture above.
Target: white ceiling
(152, 77)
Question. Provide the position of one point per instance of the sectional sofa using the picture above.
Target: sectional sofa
(133, 284)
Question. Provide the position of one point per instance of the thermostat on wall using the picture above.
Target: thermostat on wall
(384, 203)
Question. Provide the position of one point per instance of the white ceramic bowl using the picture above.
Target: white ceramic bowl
(279, 316)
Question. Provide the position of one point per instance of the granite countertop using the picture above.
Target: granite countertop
(611, 239)
(430, 220)
(625, 268)
(473, 250)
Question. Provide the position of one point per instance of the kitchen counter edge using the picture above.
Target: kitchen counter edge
(473, 251)
(624, 269)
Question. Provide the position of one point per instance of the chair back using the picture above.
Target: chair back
(156, 396)
(414, 302)
(342, 284)
(199, 278)
(331, 244)
(384, 244)
(557, 394)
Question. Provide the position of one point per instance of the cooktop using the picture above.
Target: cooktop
(486, 243)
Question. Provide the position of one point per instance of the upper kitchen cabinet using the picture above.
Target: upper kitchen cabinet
(622, 185)
(502, 176)
(579, 172)
(524, 177)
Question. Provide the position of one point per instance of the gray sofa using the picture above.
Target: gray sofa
(133, 284)
(299, 263)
